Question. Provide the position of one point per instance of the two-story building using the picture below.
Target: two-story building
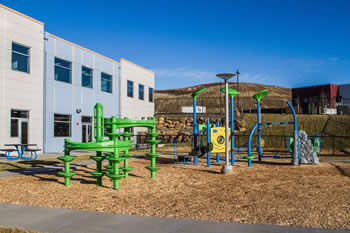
(49, 86)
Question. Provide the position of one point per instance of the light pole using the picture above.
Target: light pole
(227, 168)
(237, 74)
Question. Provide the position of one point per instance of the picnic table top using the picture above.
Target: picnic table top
(20, 144)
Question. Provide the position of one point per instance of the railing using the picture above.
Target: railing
(332, 145)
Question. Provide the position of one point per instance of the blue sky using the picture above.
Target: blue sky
(287, 43)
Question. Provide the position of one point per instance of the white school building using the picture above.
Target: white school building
(49, 86)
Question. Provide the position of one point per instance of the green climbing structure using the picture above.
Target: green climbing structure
(115, 149)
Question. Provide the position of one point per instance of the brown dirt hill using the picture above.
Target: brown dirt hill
(171, 100)
(246, 89)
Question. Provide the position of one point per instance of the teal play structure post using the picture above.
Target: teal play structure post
(195, 126)
(258, 97)
(208, 142)
(259, 130)
(218, 153)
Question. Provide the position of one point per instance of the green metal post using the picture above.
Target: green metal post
(126, 154)
(67, 159)
(115, 163)
(99, 135)
(153, 155)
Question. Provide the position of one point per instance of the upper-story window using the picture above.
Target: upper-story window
(20, 57)
(150, 94)
(141, 92)
(86, 77)
(130, 88)
(63, 70)
(106, 82)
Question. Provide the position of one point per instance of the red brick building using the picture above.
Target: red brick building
(314, 99)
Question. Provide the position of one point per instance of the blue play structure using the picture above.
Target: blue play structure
(198, 149)
(199, 131)
(260, 95)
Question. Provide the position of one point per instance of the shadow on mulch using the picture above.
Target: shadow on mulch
(344, 172)
(271, 163)
(207, 171)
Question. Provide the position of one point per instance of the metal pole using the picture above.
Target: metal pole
(232, 132)
(227, 168)
(238, 109)
(259, 131)
(194, 123)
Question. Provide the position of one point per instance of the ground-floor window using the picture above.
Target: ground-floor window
(14, 128)
(17, 116)
(62, 125)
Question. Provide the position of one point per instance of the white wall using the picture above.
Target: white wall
(19, 90)
(133, 107)
(66, 98)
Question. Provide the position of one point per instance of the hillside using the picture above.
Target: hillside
(246, 89)
(171, 100)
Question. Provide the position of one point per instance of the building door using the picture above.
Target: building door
(86, 123)
(24, 132)
(20, 126)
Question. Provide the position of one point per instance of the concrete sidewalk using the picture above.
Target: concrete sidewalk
(71, 221)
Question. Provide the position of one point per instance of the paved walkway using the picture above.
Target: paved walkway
(71, 221)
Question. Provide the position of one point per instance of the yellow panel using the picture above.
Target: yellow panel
(218, 140)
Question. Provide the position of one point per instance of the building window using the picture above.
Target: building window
(20, 58)
(86, 77)
(86, 119)
(130, 89)
(63, 70)
(108, 128)
(106, 82)
(62, 125)
(141, 92)
(14, 128)
(150, 94)
(16, 116)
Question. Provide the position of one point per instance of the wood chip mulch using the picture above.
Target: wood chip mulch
(268, 193)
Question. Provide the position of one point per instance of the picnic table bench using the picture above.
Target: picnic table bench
(21, 148)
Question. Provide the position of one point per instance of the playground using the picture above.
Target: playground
(257, 187)
(266, 193)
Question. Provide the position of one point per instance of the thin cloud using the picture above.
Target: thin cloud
(210, 76)
(185, 73)
(333, 59)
